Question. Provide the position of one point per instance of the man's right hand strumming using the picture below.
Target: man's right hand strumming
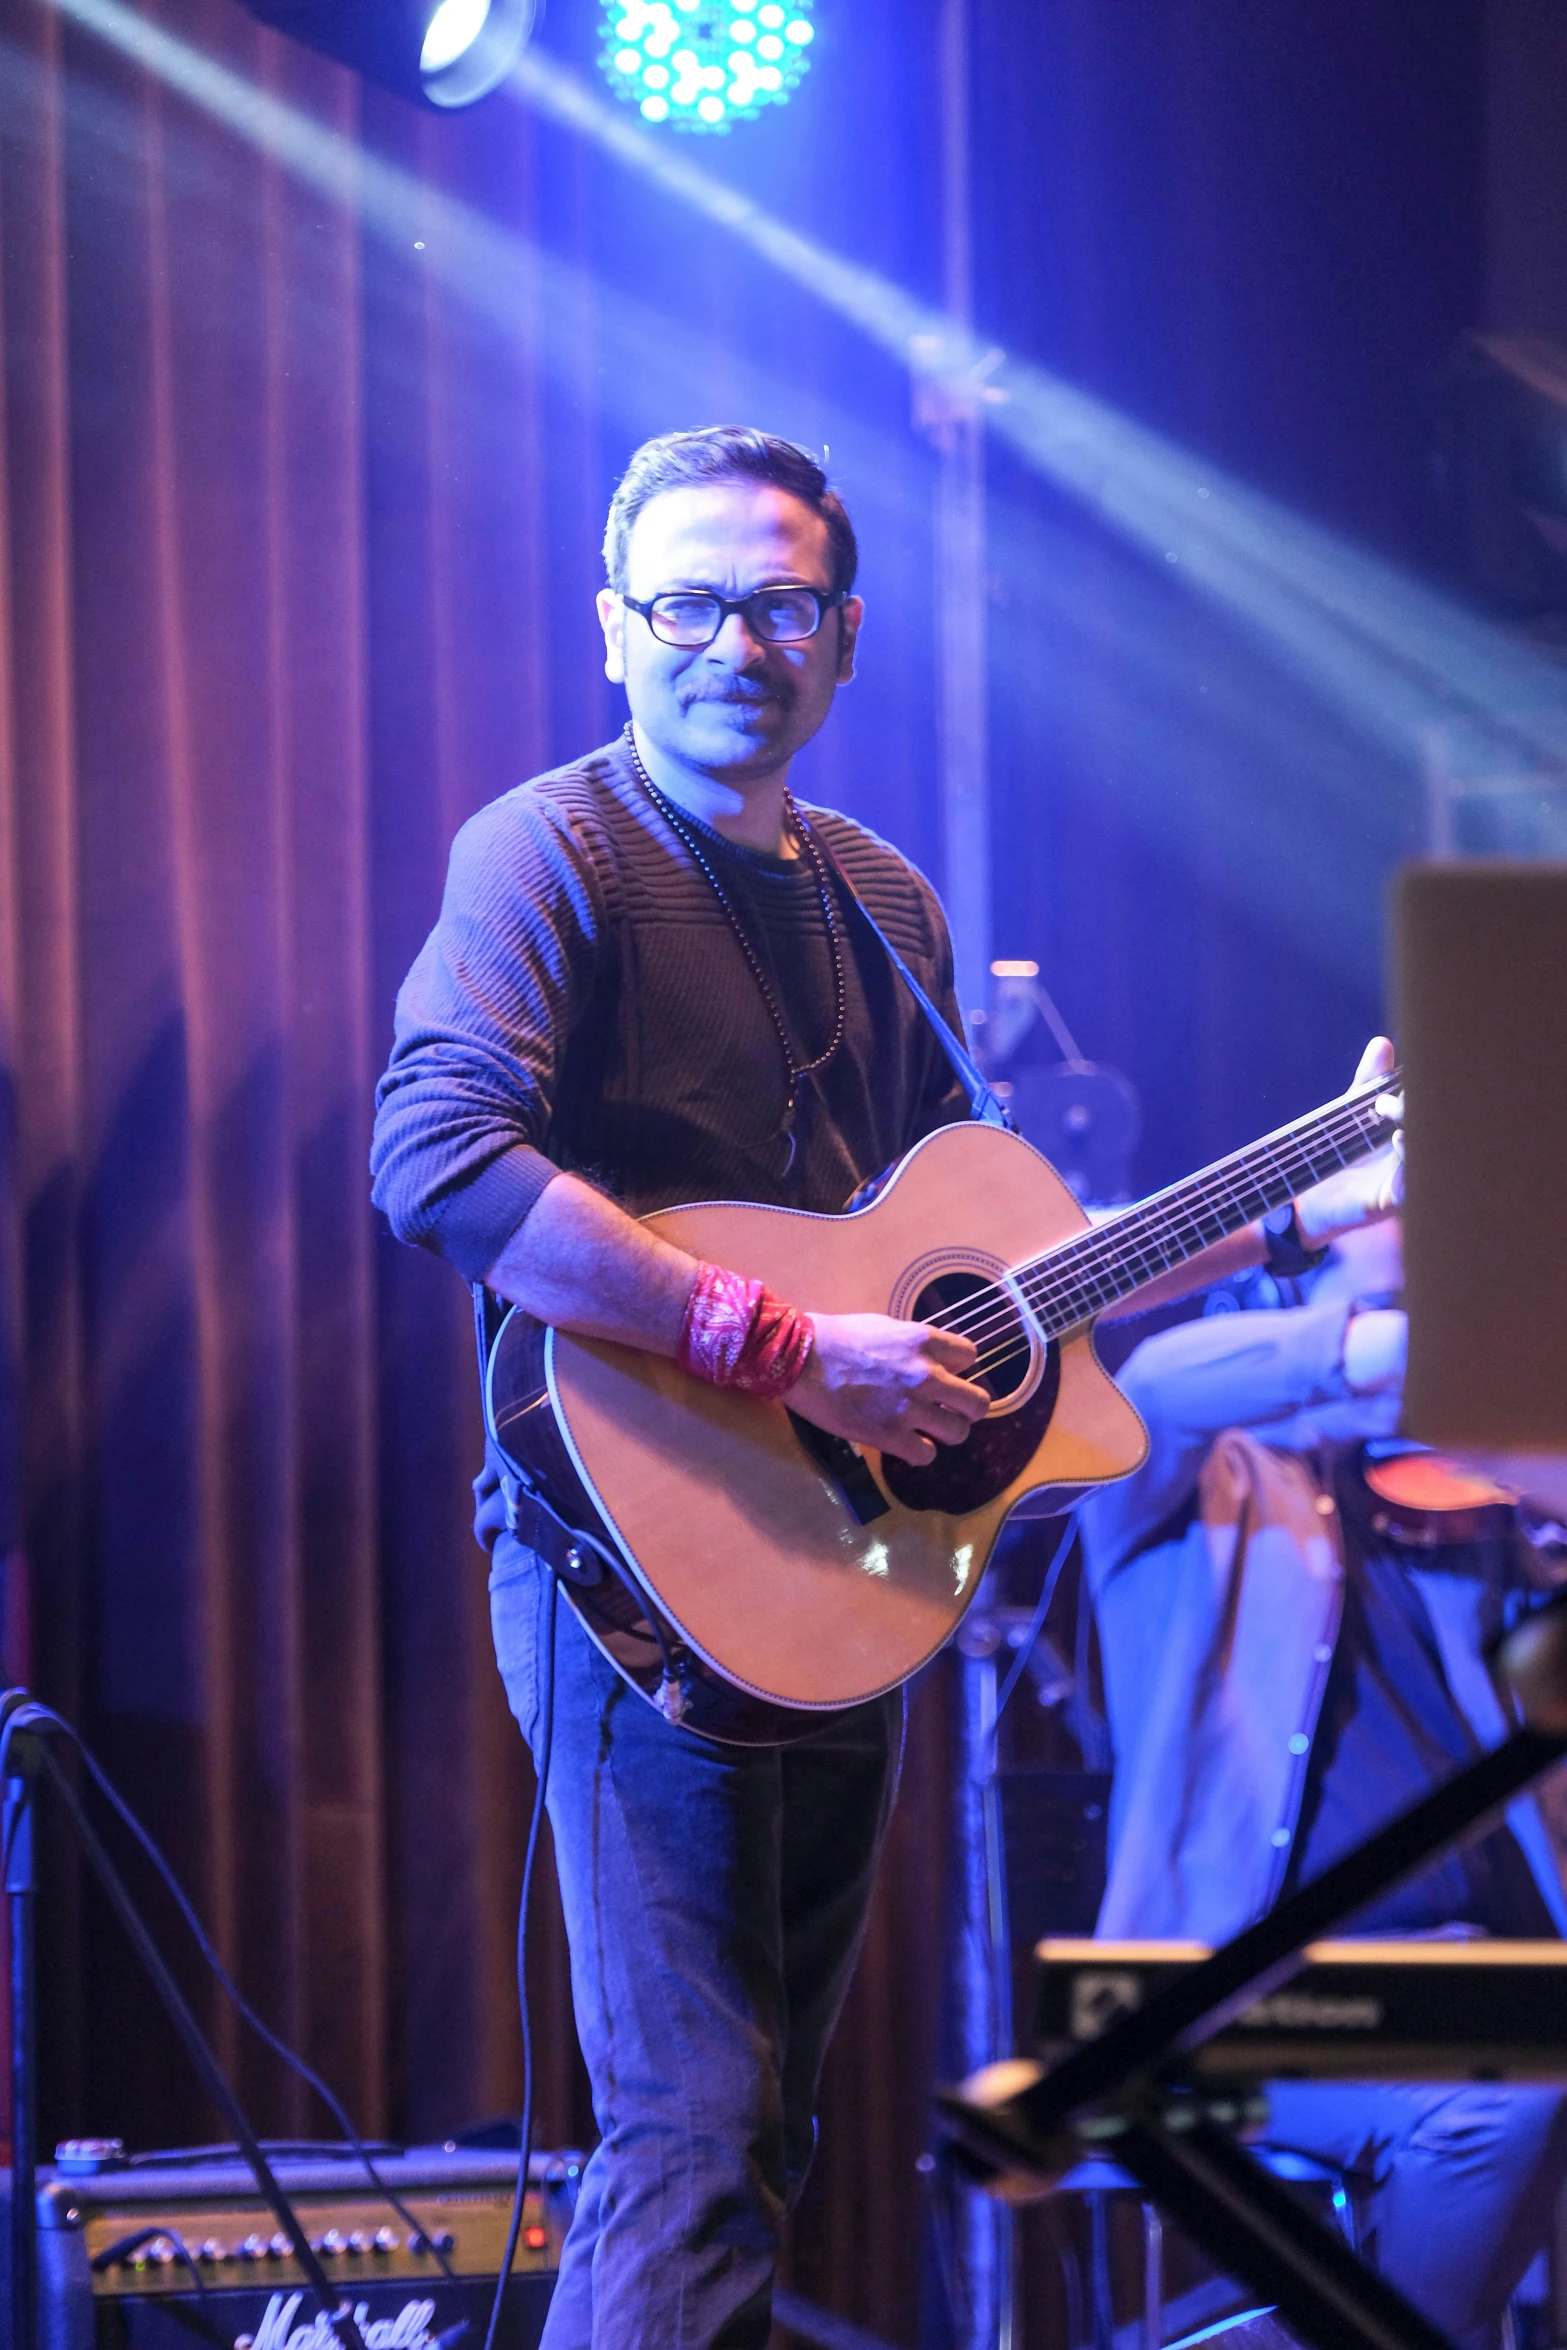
(586, 1265)
(582, 1263)
(898, 1386)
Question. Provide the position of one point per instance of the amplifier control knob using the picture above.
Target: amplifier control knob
(330, 2245)
(445, 2241)
(386, 2239)
(360, 2240)
(211, 2250)
(418, 2243)
(253, 2248)
(280, 2247)
(163, 2252)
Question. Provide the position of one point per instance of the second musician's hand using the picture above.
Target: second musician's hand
(1373, 1188)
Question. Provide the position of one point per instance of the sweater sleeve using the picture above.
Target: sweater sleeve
(463, 1112)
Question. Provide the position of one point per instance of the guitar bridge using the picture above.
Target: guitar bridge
(847, 1469)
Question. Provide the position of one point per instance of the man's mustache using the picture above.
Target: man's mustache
(743, 690)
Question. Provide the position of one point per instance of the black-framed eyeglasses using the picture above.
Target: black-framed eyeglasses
(692, 617)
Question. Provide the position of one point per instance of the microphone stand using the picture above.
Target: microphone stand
(24, 1727)
(16, 1840)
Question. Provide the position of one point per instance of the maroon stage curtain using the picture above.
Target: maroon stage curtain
(259, 655)
(191, 1039)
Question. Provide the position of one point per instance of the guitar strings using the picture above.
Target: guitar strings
(1093, 1278)
(1077, 1275)
(1081, 1285)
(1089, 1275)
(1184, 1218)
(1175, 1211)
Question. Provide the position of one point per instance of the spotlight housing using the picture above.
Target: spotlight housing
(441, 53)
(703, 65)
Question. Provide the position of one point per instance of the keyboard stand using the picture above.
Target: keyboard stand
(1018, 2126)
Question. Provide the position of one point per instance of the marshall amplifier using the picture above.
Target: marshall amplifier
(172, 2253)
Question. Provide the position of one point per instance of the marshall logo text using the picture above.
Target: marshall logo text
(408, 2330)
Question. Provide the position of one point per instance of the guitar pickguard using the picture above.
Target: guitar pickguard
(966, 1476)
(848, 1469)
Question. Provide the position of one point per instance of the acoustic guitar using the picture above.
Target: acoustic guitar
(747, 1572)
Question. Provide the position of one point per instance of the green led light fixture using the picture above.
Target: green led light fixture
(698, 67)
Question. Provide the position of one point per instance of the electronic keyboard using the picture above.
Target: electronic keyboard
(1459, 2010)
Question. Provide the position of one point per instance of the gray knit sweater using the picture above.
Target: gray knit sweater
(582, 1003)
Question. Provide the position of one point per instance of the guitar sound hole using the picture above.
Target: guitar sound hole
(991, 1320)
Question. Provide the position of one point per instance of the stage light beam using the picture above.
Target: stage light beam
(1391, 655)
(1377, 648)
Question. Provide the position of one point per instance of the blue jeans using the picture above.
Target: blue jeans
(715, 1899)
(1456, 2183)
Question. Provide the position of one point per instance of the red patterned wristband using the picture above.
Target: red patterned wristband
(737, 1334)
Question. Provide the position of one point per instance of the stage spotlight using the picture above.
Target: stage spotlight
(446, 53)
(699, 67)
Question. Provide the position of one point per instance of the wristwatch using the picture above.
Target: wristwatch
(1287, 1257)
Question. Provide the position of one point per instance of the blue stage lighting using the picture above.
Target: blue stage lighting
(701, 67)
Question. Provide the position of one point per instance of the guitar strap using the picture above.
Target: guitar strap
(983, 1102)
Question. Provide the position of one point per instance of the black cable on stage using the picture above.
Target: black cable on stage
(338, 2314)
(525, 2124)
(121, 2250)
(225, 1980)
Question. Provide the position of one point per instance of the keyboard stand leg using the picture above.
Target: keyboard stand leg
(1253, 2227)
(1153, 2279)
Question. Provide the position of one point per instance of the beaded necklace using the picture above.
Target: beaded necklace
(795, 1072)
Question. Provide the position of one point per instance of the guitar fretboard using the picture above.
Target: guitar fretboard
(1068, 1285)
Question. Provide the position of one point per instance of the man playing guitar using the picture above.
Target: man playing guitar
(649, 984)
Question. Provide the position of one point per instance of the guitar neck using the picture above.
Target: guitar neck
(1069, 1285)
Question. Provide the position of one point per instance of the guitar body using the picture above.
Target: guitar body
(765, 1575)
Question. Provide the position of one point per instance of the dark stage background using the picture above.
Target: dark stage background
(299, 548)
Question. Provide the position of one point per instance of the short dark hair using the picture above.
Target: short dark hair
(726, 452)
